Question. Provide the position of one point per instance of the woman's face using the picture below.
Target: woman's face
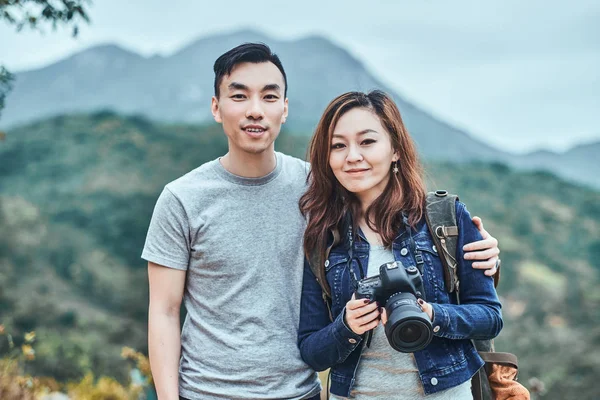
(361, 154)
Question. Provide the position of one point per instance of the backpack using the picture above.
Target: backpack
(498, 378)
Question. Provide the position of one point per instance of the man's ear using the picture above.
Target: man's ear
(214, 108)
(285, 111)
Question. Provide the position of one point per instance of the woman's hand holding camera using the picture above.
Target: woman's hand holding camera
(427, 308)
(361, 315)
(422, 303)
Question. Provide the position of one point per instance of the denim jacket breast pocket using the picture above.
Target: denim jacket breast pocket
(433, 275)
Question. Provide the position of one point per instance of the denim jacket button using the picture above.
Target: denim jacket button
(404, 251)
(352, 340)
(436, 329)
(434, 381)
(326, 263)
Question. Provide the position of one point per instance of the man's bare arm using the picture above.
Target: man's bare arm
(164, 337)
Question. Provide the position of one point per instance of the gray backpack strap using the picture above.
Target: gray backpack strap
(440, 214)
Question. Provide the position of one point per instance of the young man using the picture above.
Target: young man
(227, 239)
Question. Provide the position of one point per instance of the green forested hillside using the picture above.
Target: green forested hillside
(76, 196)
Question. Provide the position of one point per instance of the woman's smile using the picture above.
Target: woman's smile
(357, 171)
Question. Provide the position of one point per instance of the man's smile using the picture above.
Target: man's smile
(254, 130)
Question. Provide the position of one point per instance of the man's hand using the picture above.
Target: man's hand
(485, 251)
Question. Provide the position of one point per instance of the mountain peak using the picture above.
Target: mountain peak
(107, 50)
(104, 56)
(227, 40)
(317, 41)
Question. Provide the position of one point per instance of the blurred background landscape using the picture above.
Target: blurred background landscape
(89, 139)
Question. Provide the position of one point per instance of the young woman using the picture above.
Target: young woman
(365, 207)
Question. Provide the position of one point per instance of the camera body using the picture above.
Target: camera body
(393, 278)
(408, 328)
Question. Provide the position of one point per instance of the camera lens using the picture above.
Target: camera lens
(410, 332)
(408, 328)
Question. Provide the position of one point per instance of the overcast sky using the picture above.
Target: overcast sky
(519, 74)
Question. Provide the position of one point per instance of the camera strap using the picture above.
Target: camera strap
(353, 278)
(418, 256)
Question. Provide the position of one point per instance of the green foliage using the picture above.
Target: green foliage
(34, 14)
(17, 384)
(6, 79)
(77, 193)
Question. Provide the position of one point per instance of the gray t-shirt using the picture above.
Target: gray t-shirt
(240, 241)
(384, 373)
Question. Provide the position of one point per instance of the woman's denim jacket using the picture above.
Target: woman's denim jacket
(450, 359)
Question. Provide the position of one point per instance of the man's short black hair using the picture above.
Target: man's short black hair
(247, 52)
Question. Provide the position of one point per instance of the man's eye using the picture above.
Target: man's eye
(271, 97)
(238, 96)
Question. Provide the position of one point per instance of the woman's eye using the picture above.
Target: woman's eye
(337, 146)
(368, 141)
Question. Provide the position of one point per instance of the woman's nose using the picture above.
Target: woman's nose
(354, 154)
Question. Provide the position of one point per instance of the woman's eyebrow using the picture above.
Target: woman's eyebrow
(363, 132)
(368, 130)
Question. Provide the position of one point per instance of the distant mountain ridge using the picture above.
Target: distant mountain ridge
(178, 87)
(579, 164)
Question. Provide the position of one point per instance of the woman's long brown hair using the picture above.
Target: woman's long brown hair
(326, 201)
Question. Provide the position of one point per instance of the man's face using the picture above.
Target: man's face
(251, 107)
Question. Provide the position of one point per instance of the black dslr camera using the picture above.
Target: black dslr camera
(408, 328)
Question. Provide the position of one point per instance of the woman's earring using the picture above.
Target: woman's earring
(395, 168)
